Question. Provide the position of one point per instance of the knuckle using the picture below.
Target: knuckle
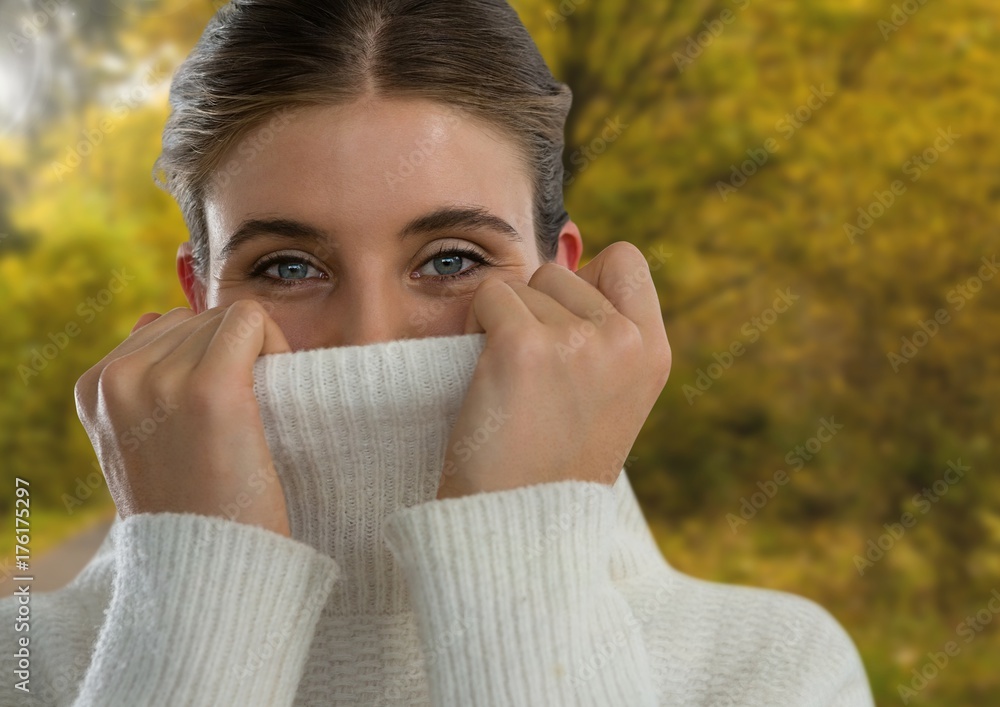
(660, 356)
(178, 311)
(83, 392)
(117, 377)
(632, 345)
(625, 334)
(666, 358)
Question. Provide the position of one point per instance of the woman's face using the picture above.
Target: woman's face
(369, 222)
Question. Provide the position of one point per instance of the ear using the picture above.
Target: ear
(570, 246)
(193, 288)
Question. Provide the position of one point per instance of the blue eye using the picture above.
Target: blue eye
(289, 270)
(452, 263)
(451, 259)
(446, 264)
(295, 271)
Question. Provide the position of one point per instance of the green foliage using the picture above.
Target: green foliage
(99, 240)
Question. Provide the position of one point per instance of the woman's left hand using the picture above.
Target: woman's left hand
(572, 366)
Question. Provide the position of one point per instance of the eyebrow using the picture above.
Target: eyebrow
(448, 218)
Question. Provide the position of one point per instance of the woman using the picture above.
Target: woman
(391, 470)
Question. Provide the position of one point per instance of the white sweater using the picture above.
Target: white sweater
(554, 594)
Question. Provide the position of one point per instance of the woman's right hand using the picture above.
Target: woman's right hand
(172, 415)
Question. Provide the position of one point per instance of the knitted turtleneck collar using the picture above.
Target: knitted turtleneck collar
(357, 432)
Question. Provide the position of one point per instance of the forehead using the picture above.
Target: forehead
(369, 167)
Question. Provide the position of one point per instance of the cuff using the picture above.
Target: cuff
(513, 596)
(206, 611)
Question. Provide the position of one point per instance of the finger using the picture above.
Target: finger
(142, 335)
(495, 303)
(621, 273)
(152, 324)
(572, 292)
(154, 329)
(546, 309)
(189, 352)
(156, 350)
(245, 333)
(144, 320)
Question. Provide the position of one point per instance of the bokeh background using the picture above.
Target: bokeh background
(840, 153)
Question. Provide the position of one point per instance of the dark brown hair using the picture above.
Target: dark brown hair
(259, 57)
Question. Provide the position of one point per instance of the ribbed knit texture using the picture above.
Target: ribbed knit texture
(552, 594)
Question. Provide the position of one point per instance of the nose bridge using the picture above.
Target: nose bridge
(372, 311)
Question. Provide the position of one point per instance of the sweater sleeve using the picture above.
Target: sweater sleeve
(206, 611)
(514, 599)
